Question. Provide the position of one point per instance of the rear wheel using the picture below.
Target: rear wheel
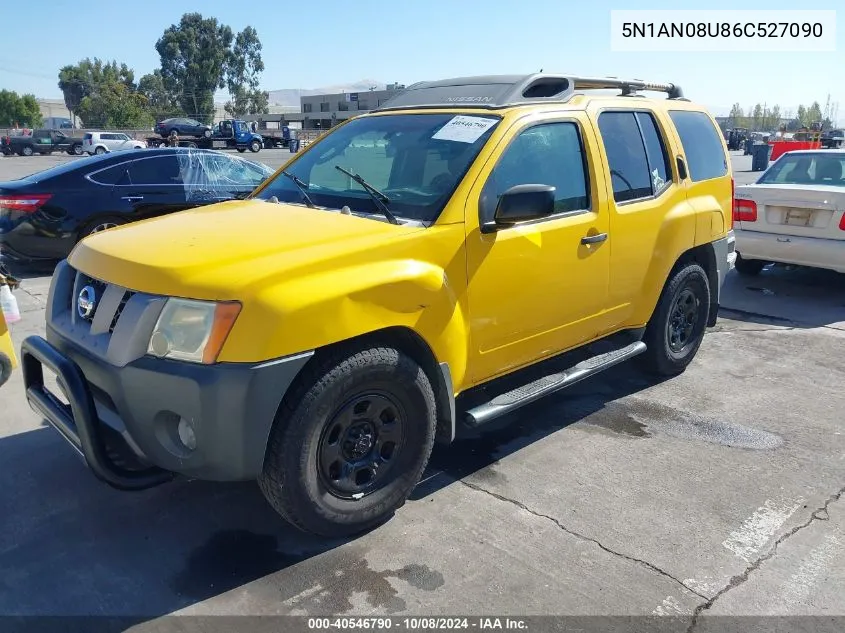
(101, 224)
(748, 267)
(100, 150)
(27, 151)
(350, 442)
(76, 149)
(677, 327)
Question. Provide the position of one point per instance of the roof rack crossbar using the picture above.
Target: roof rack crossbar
(627, 86)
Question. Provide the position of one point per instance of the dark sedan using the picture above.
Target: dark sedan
(44, 215)
(183, 127)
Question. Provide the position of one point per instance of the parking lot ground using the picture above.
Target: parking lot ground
(716, 492)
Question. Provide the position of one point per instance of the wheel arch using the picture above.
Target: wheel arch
(409, 342)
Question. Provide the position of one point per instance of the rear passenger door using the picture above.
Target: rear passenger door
(644, 193)
(153, 186)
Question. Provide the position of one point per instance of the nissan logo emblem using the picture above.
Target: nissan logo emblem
(87, 302)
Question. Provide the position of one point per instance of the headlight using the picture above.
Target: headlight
(192, 331)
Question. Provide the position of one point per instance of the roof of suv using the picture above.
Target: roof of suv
(504, 91)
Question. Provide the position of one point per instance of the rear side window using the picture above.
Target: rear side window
(702, 144)
(112, 176)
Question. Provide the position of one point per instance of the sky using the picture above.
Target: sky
(394, 41)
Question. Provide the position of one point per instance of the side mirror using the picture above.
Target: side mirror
(522, 203)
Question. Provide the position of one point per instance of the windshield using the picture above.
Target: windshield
(807, 169)
(415, 160)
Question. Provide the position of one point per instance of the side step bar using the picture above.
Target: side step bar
(533, 391)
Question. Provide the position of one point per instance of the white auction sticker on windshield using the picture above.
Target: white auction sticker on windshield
(464, 129)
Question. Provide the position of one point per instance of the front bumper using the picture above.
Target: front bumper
(137, 408)
(125, 407)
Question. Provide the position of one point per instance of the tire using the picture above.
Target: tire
(171, 132)
(301, 476)
(27, 151)
(5, 368)
(242, 149)
(255, 146)
(191, 145)
(672, 343)
(100, 224)
(748, 267)
(75, 149)
(206, 133)
(99, 151)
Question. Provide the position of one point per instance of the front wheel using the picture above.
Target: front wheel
(677, 327)
(255, 146)
(27, 151)
(350, 442)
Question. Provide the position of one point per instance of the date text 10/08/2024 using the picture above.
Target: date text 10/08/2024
(417, 623)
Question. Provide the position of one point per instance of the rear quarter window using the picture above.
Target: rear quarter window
(702, 144)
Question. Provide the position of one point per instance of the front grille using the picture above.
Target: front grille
(126, 297)
(98, 286)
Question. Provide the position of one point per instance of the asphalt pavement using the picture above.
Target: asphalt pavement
(713, 493)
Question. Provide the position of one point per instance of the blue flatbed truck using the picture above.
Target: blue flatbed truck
(227, 134)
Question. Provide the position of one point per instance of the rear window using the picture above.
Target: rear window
(806, 169)
(702, 144)
(88, 137)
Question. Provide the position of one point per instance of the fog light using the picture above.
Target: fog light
(186, 434)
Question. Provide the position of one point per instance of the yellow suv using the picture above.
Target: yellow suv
(320, 335)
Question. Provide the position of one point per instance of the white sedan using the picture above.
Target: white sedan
(794, 213)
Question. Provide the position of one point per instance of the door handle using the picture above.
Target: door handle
(132, 198)
(594, 239)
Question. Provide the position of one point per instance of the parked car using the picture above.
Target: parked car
(794, 213)
(183, 127)
(44, 215)
(102, 142)
(316, 337)
(41, 141)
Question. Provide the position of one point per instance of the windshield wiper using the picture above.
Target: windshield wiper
(302, 186)
(378, 197)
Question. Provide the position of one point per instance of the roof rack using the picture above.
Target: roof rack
(501, 91)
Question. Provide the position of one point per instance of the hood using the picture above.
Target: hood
(218, 251)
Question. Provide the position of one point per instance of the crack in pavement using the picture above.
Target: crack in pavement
(774, 328)
(582, 537)
(819, 514)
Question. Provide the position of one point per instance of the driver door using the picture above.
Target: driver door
(538, 288)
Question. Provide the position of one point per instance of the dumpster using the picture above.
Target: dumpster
(760, 153)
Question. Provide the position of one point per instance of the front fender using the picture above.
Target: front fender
(330, 306)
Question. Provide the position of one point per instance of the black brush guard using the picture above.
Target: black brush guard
(78, 423)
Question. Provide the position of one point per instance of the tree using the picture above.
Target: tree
(88, 82)
(114, 105)
(243, 68)
(194, 56)
(736, 116)
(814, 113)
(802, 117)
(160, 102)
(19, 110)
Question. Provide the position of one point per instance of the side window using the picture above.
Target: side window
(547, 154)
(702, 145)
(626, 156)
(655, 148)
(159, 170)
(112, 176)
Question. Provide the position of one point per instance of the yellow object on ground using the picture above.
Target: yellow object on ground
(8, 361)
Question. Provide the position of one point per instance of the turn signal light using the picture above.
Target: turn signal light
(745, 211)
